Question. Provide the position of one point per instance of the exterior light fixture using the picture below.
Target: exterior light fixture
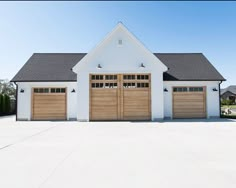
(214, 89)
(165, 90)
(22, 90)
(99, 66)
(142, 65)
(73, 91)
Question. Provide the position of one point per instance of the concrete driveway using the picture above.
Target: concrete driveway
(117, 154)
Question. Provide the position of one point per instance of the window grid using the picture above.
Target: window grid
(49, 90)
(188, 89)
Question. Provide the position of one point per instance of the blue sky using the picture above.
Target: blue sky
(207, 27)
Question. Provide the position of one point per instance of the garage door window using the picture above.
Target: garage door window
(129, 77)
(188, 89)
(97, 77)
(180, 89)
(111, 77)
(58, 90)
(196, 89)
(41, 90)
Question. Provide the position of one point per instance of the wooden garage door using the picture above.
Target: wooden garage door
(49, 104)
(120, 97)
(189, 102)
(136, 97)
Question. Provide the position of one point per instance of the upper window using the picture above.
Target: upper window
(120, 42)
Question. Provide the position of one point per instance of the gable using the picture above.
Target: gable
(115, 57)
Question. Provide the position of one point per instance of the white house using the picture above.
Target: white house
(120, 79)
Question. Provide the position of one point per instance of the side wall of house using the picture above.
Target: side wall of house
(24, 99)
(212, 97)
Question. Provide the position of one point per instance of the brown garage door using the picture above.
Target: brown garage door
(189, 102)
(49, 104)
(120, 97)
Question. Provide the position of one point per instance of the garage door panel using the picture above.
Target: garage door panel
(129, 100)
(49, 106)
(189, 104)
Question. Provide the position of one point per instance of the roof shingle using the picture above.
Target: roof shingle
(57, 67)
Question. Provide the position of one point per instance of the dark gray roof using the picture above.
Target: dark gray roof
(231, 89)
(188, 66)
(57, 67)
(49, 67)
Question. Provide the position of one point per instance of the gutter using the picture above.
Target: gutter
(219, 99)
(16, 99)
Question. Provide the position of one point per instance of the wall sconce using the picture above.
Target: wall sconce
(165, 90)
(142, 65)
(73, 91)
(214, 89)
(22, 90)
(99, 66)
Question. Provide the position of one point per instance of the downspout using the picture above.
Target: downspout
(16, 99)
(219, 99)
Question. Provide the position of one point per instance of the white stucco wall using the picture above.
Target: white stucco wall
(212, 97)
(24, 99)
(123, 59)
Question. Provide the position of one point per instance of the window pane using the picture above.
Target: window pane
(53, 90)
(46, 90)
(200, 88)
(185, 89)
(35, 90)
(93, 77)
(58, 90)
(41, 90)
(63, 90)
